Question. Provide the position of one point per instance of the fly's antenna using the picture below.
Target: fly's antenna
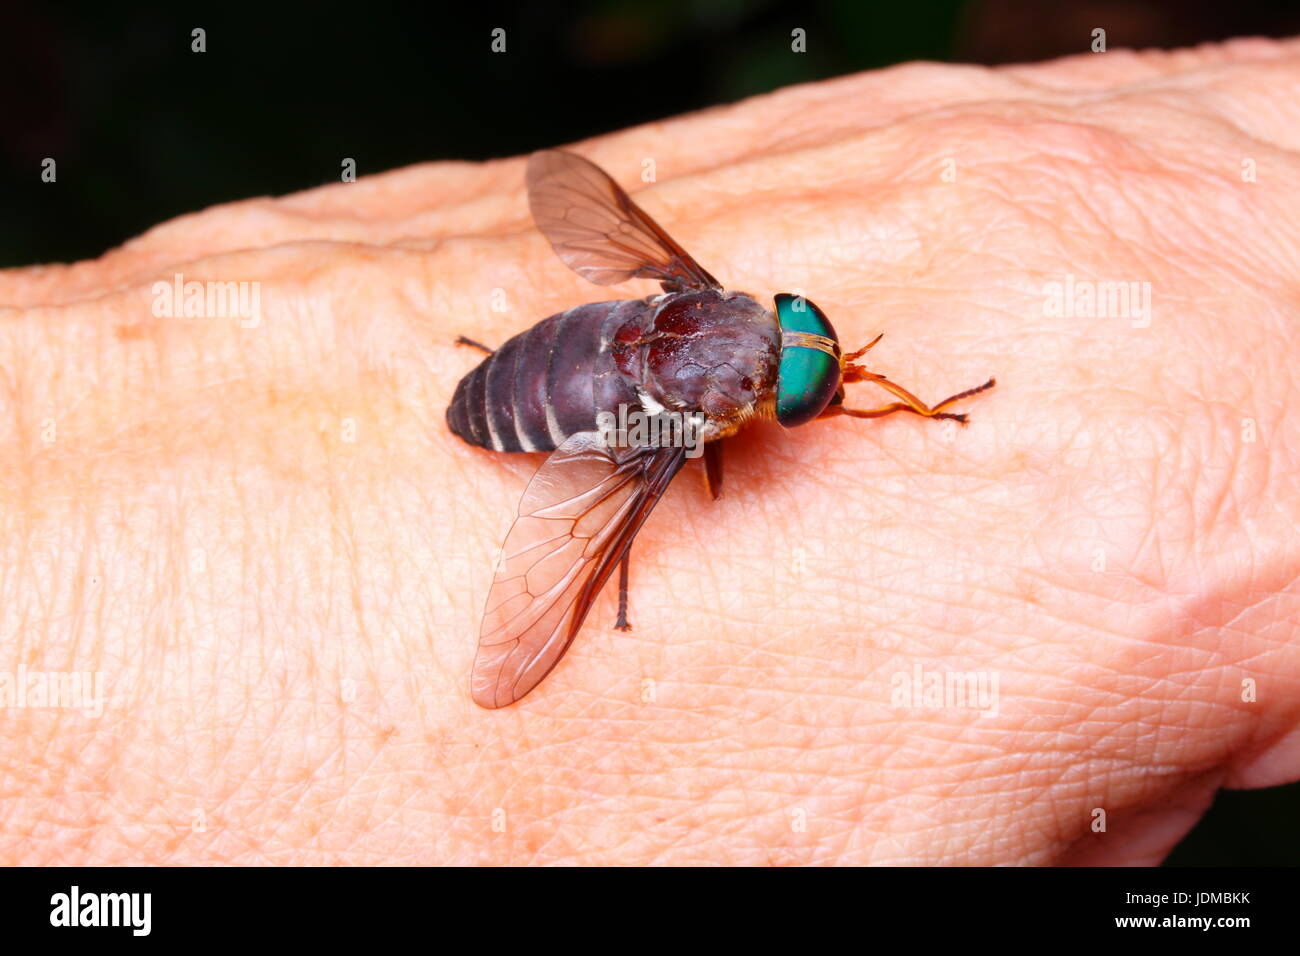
(858, 373)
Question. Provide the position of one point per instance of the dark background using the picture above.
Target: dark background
(143, 129)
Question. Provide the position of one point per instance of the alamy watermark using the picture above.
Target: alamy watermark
(130, 910)
(633, 427)
(208, 300)
(1089, 299)
(935, 690)
(65, 690)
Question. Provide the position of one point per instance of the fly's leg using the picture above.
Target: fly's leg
(907, 402)
(462, 340)
(621, 624)
(910, 403)
(713, 468)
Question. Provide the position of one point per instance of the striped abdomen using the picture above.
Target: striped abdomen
(547, 383)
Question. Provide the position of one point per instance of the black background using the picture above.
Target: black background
(144, 130)
(342, 910)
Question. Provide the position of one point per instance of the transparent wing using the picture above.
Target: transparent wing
(577, 518)
(599, 232)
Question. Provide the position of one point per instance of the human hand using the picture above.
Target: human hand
(264, 537)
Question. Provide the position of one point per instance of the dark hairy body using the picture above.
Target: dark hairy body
(712, 351)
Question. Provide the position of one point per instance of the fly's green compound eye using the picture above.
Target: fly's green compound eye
(809, 373)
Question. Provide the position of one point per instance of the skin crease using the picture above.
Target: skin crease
(285, 619)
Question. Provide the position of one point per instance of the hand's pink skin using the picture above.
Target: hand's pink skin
(285, 618)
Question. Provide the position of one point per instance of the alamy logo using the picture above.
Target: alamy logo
(103, 909)
(208, 300)
(935, 690)
(1086, 299)
(68, 690)
(632, 427)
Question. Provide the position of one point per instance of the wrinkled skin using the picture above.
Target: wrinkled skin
(285, 619)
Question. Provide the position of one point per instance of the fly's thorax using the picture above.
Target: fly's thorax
(715, 352)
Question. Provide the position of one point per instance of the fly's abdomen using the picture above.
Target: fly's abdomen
(548, 383)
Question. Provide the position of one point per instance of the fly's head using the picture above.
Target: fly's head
(810, 372)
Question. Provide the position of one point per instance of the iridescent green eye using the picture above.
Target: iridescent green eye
(809, 373)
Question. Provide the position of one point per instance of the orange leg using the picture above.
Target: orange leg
(713, 468)
(910, 403)
(621, 624)
(907, 401)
